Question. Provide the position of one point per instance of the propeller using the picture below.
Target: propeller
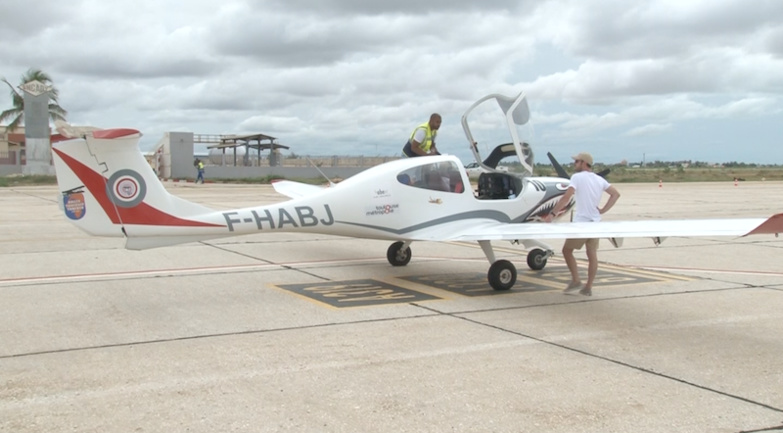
(564, 174)
(558, 168)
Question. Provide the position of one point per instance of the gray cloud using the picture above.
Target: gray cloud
(20, 19)
(348, 76)
(653, 30)
(406, 7)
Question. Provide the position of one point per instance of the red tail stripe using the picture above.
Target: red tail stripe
(142, 214)
(114, 133)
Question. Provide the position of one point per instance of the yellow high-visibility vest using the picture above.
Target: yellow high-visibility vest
(429, 136)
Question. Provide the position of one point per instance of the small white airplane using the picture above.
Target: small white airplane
(108, 189)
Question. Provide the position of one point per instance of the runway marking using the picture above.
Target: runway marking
(552, 278)
(465, 284)
(368, 292)
(199, 270)
(705, 270)
(356, 293)
(644, 271)
(98, 276)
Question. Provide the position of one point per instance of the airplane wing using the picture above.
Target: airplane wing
(622, 229)
(293, 189)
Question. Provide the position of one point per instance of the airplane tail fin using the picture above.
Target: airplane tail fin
(109, 189)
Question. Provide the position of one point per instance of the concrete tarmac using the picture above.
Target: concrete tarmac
(313, 333)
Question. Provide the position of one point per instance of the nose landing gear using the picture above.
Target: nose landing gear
(399, 253)
(502, 274)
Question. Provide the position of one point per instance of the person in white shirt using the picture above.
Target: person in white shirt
(587, 188)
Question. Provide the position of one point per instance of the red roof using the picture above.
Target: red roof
(114, 133)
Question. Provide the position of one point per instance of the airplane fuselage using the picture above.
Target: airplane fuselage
(376, 204)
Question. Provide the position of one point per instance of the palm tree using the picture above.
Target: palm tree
(17, 112)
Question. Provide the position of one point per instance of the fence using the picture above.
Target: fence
(298, 161)
(335, 166)
(336, 161)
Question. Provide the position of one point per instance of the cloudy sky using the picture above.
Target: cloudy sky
(660, 80)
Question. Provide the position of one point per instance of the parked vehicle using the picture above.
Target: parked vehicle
(474, 170)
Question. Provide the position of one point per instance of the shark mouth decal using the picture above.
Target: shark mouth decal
(553, 193)
(544, 208)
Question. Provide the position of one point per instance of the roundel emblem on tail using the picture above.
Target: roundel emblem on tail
(126, 188)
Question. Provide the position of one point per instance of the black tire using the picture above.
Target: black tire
(397, 256)
(536, 259)
(502, 275)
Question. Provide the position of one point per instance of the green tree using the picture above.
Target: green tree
(16, 113)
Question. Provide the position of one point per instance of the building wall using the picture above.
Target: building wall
(38, 149)
(181, 150)
(181, 157)
(3, 140)
(7, 170)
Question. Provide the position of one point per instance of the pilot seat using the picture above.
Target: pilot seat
(498, 186)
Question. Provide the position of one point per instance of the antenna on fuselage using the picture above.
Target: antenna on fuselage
(319, 170)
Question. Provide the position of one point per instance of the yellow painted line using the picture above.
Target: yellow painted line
(711, 271)
(651, 273)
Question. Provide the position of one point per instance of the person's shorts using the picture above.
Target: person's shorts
(577, 244)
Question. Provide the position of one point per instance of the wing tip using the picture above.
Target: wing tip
(772, 225)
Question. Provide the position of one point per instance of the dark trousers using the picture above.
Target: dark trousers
(407, 151)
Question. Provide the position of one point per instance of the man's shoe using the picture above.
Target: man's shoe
(586, 291)
(572, 287)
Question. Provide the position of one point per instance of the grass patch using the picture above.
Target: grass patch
(20, 180)
(680, 174)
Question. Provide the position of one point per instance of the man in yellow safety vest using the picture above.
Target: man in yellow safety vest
(422, 140)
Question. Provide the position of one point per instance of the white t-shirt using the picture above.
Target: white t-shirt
(421, 133)
(588, 189)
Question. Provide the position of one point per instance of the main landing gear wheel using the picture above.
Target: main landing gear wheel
(536, 259)
(502, 275)
(398, 256)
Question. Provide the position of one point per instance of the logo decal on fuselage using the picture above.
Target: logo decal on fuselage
(384, 209)
(381, 193)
